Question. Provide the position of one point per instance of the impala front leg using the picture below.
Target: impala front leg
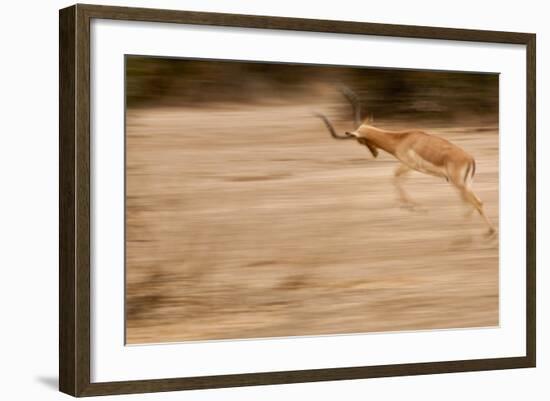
(397, 179)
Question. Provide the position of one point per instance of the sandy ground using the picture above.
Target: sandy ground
(250, 221)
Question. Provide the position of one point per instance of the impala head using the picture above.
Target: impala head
(357, 112)
(362, 138)
(348, 135)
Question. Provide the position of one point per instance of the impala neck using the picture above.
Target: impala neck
(385, 140)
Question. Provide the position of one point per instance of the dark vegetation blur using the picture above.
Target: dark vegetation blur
(385, 93)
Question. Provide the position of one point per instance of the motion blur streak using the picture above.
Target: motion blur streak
(245, 219)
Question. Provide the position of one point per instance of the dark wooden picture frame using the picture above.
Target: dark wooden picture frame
(74, 202)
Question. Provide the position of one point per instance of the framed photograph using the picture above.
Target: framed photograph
(249, 200)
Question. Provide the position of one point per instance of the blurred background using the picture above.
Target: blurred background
(389, 93)
(245, 219)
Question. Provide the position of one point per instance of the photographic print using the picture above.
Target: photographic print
(279, 200)
(290, 200)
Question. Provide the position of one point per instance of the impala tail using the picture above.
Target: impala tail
(470, 172)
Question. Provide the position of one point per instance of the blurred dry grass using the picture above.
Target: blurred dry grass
(250, 221)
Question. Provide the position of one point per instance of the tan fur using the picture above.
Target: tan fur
(428, 154)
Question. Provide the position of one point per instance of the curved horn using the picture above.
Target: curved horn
(353, 99)
(331, 128)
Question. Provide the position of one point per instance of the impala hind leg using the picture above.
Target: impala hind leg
(470, 211)
(398, 176)
(469, 196)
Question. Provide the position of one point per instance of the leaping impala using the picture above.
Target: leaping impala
(416, 150)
